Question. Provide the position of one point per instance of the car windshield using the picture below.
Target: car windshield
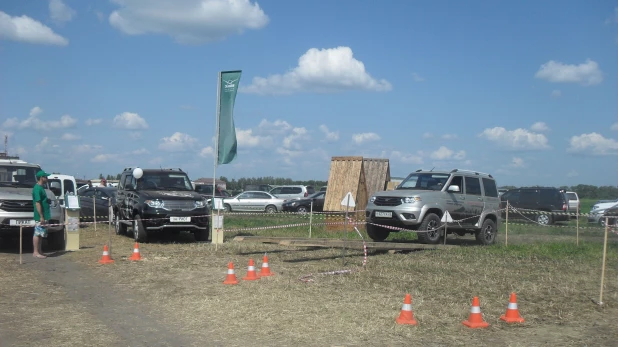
(424, 181)
(316, 195)
(17, 176)
(165, 181)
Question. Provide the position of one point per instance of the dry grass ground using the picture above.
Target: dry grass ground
(180, 283)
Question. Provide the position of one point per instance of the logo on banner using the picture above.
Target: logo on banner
(229, 85)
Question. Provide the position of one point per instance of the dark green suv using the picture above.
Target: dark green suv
(158, 200)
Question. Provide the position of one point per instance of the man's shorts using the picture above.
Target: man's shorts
(40, 230)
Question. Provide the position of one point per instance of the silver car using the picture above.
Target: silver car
(253, 201)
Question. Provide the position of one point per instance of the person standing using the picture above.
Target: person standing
(103, 183)
(41, 213)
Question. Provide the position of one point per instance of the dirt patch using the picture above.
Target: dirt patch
(178, 286)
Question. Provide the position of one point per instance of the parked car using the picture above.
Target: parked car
(421, 200)
(323, 189)
(292, 191)
(205, 190)
(60, 185)
(155, 200)
(258, 187)
(253, 201)
(574, 204)
(99, 198)
(551, 201)
(597, 212)
(304, 205)
(612, 216)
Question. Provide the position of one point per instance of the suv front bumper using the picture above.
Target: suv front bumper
(405, 216)
(7, 217)
(199, 220)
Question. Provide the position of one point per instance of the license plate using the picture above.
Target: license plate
(180, 219)
(21, 222)
(381, 214)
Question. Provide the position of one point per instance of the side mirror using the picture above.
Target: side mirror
(454, 189)
(130, 187)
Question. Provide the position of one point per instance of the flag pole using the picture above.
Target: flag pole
(214, 175)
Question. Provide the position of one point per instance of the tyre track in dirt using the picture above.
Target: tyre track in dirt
(116, 308)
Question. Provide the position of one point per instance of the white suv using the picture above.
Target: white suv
(292, 192)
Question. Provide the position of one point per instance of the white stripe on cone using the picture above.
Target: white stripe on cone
(475, 309)
(251, 268)
(105, 253)
(265, 265)
(406, 307)
(135, 250)
(512, 306)
(230, 271)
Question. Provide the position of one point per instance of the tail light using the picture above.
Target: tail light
(564, 207)
(306, 194)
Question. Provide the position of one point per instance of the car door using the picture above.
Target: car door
(318, 202)
(474, 203)
(86, 209)
(261, 200)
(242, 202)
(102, 203)
(276, 191)
(455, 200)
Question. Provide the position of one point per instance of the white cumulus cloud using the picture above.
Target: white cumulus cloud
(539, 127)
(586, 74)
(60, 12)
(517, 162)
(293, 140)
(28, 30)
(104, 158)
(246, 138)
(70, 137)
(35, 123)
(330, 136)
(518, 139)
(594, 144)
(365, 137)
(188, 21)
(207, 152)
(130, 120)
(91, 122)
(320, 70)
(449, 137)
(407, 158)
(178, 142)
(614, 126)
(444, 153)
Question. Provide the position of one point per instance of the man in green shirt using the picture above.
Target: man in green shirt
(41, 213)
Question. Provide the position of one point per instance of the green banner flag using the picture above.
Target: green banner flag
(226, 137)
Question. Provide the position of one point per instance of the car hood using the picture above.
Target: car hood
(604, 206)
(171, 195)
(22, 194)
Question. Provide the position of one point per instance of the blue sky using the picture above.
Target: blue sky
(524, 90)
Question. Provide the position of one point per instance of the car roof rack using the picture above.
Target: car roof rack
(471, 171)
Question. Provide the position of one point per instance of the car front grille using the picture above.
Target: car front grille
(179, 205)
(17, 206)
(387, 201)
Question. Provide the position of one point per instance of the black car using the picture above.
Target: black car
(527, 201)
(206, 191)
(96, 197)
(304, 205)
(154, 200)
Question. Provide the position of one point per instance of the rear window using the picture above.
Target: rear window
(473, 186)
(291, 190)
(551, 196)
(490, 187)
(572, 196)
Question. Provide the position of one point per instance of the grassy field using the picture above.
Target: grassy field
(556, 282)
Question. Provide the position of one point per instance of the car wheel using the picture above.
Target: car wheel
(487, 234)
(56, 241)
(377, 233)
(429, 230)
(544, 219)
(121, 228)
(302, 209)
(139, 233)
(227, 208)
(271, 209)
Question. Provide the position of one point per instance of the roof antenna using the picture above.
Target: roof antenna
(432, 169)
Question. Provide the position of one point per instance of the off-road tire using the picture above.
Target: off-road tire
(488, 233)
(377, 233)
(139, 233)
(271, 209)
(56, 241)
(430, 222)
(121, 228)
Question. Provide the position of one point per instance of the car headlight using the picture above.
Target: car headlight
(155, 203)
(200, 203)
(372, 199)
(411, 200)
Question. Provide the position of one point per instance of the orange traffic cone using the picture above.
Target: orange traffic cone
(265, 271)
(251, 274)
(475, 320)
(231, 276)
(135, 256)
(512, 313)
(406, 316)
(106, 259)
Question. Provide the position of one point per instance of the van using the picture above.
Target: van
(61, 185)
(529, 201)
(292, 192)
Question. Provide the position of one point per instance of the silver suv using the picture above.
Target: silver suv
(17, 178)
(292, 192)
(420, 201)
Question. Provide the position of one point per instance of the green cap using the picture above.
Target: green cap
(42, 173)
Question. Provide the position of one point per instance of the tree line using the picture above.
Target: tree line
(586, 191)
(239, 185)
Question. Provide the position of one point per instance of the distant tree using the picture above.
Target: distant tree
(100, 176)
